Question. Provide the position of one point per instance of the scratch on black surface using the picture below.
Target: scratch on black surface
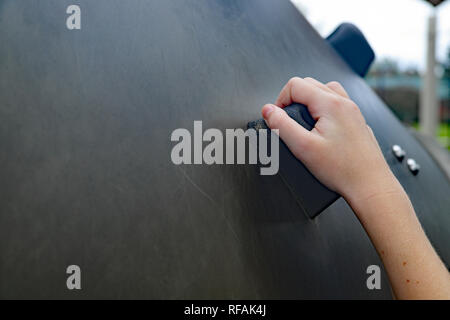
(197, 187)
(212, 200)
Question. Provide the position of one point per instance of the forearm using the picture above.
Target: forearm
(414, 269)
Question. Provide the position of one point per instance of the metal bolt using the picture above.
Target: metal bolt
(413, 166)
(398, 152)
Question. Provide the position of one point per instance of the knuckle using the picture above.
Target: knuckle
(352, 106)
(335, 101)
(294, 79)
(334, 85)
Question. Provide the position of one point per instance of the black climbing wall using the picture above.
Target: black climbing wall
(85, 171)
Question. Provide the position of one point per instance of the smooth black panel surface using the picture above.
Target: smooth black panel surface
(85, 171)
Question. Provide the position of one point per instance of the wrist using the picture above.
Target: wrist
(375, 186)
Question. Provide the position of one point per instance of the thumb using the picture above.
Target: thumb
(296, 137)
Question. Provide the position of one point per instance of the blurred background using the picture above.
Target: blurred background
(400, 32)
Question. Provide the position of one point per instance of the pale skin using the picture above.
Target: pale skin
(340, 136)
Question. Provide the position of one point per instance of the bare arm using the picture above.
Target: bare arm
(368, 185)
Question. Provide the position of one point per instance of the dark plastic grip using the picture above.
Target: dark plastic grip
(310, 193)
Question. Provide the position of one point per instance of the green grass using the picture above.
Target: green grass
(443, 133)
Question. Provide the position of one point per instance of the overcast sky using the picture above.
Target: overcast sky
(394, 28)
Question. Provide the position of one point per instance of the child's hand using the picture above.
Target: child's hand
(341, 150)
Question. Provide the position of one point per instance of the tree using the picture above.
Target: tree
(385, 66)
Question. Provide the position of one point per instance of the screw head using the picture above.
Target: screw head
(413, 166)
(399, 153)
